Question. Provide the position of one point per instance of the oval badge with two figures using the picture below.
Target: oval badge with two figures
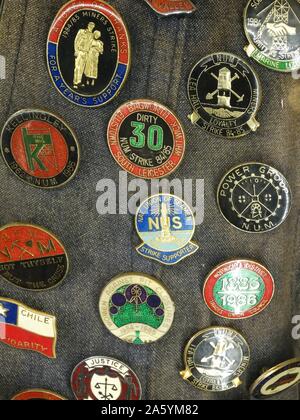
(88, 52)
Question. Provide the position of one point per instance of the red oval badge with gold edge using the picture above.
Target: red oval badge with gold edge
(31, 257)
(146, 139)
(172, 7)
(238, 289)
(38, 394)
(40, 148)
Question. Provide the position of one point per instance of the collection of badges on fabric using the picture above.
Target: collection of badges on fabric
(146, 139)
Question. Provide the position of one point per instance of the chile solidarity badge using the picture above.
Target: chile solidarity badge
(27, 329)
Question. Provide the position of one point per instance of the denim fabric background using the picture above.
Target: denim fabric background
(100, 247)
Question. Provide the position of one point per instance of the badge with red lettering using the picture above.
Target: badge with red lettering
(146, 139)
(105, 379)
(238, 289)
(88, 52)
(31, 257)
(172, 7)
(40, 149)
(38, 395)
(27, 329)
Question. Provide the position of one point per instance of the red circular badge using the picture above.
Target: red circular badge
(238, 289)
(105, 379)
(40, 148)
(146, 139)
(31, 257)
(38, 394)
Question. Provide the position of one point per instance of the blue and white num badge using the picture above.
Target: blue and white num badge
(166, 225)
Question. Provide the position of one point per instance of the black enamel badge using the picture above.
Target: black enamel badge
(225, 95)
(254, 197)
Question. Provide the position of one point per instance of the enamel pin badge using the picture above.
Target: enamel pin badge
(40, 149)
(38, 395)
(166, 225)
(27, 329)
(88, 52)
(105, 379)
(146, 139)
(31, 257)
(137, 308)
(254, 197)
(215, 360)
(225, 94)
(273, 31)
(277, 380)
(172, 7)
(238, 289)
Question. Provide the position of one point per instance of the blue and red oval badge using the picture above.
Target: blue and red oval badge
(88, 52)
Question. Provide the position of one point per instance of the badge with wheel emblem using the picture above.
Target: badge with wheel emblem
(225, 94)
(215, 360)
(254, 197)
(146, 139)
(105, 379)
(40, 149)
(166, 225)
(238, 289)
(137, 308)
(277, 380)
(88, 52)
(273, 31)
(172, 7)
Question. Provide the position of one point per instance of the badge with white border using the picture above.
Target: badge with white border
(277, 380)
(166, 225)
(273, 30)
(146, 139)
(225, 94)
(88, 52)
(238, 289)
(172, 7)
(254, 197)
(31, 257)
(137, 308)
(105, 379)
(215, 360)
(25, 328)
(40, 149)
(38, 395)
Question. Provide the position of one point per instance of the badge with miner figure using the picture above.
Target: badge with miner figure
(88, 52)
(105, 379)
(215, 360)
(136, 308)
(225, 94)
(273, 30)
